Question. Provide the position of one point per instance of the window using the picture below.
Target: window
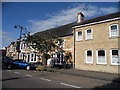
(64, 43)
(89, 56)
(101, 57)
(21, 56)
(7, 50)
(32, 57)
(88, 34)
(115, 57)
(61, 43)
(78, 35)
(22, 46)
(113, 30)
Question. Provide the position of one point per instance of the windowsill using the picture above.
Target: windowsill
(114, 64)
(79, 41)
(101, 63)
(88, 39)
(32, 61)
(88, 63)
(113, 37)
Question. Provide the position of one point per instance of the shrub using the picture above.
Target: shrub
(40, 68)
(51, 70)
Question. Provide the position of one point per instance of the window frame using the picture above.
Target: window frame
(34, 57)
(111, 56)
(86, 56)
(110, 31)
(86, 36)
(21, 55)
(22, 46)
(77, 35)
(105, 57)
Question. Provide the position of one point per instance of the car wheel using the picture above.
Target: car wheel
(9, 67)
(28, 67)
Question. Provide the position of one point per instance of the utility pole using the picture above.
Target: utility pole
(20, 38)
(21, 29)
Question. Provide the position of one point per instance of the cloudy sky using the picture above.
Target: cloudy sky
(40, 16)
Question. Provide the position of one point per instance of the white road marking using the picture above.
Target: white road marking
(70, 85)
(28, 75)
(45, 79)
(9, 70)
(17, 72)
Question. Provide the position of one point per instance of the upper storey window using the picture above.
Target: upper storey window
(113, 30)
(79, 35)
(22, 46)
(88, 34)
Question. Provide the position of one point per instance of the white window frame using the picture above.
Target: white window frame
(77, 35)
(21, 56)
(64, 42)
(111, 56)
(110, 31)
(22, 46)
(33, 57)
(86, 35)
(97, 56)
(86, 56)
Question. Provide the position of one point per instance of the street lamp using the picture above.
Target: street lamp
(21, 28)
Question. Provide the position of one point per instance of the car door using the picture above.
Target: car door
(20, 64)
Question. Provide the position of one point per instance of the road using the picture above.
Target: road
(35, 79)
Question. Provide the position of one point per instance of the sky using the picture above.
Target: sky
(40, 16)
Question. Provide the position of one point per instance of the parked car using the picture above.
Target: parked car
(18, 64)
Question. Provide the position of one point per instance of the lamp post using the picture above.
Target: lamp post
(21, 29)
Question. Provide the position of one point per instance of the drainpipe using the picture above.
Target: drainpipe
(74, 45)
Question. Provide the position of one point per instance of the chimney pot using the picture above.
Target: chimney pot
(80, 17)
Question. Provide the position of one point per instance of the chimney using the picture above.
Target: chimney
(80, 17)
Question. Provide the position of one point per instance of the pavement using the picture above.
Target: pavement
(91, 74)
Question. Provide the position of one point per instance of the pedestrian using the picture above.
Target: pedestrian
(66, 62)
(52, 63)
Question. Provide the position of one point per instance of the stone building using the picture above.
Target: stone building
(21, 50)
(93, 44)
(97, 43)
(2, 53)
(12, 50)
(66, 33)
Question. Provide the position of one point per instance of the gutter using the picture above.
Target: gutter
(99, 22)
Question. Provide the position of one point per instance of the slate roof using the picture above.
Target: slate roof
(101, 18)
(66, 30)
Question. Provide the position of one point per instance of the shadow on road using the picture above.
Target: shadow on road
(9, 79)
(114, 84)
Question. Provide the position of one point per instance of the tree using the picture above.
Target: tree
(44, 44)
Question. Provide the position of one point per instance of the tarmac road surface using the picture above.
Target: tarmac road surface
(35, 79)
